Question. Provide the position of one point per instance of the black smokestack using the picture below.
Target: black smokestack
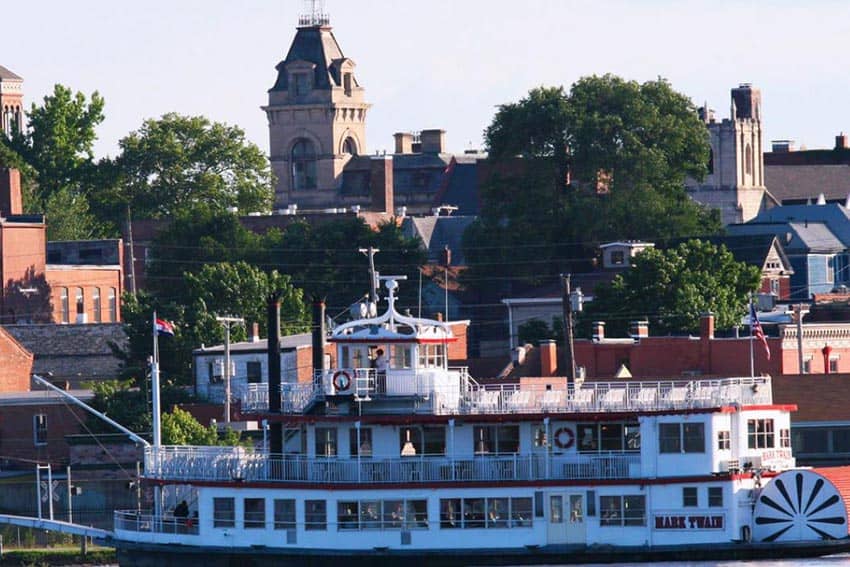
(318, 336)
(276, 428)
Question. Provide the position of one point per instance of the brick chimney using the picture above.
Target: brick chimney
(548, 358)
(255, 332)
(403, 142)
(433, 141)
(841, 141)
(10, 192)
(598, 330)
(381, 183)
(639, 329)
(706, 335)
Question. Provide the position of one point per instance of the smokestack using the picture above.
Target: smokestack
(318, 337)
(276, 428)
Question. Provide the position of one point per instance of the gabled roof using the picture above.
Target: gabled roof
(799, 237)
(437, 233)
(7, 75)
(835, 216)
(752, 249)
(316, 45)
(287, 343)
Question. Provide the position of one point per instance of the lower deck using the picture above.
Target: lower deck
(494, 517)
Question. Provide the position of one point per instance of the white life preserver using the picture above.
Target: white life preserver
(564, 438)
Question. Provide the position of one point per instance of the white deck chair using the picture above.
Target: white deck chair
(678, 395)
(583, 397)
(614, 398)
(553, 399)
(646, 398)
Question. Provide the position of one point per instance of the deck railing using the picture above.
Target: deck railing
(240, 465)
(461, 395)
(134, 521)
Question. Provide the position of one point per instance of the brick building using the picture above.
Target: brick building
(68, 282)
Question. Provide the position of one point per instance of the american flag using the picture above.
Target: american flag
(756, 330)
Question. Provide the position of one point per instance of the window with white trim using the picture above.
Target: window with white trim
(760, 434)
(724, 440)
(622, 510)
(681, 437)
(224, 513)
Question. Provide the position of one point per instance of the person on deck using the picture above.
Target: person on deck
(381, 365)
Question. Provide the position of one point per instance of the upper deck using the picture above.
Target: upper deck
(454, 392)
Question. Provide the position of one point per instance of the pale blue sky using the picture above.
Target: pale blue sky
(435, 63)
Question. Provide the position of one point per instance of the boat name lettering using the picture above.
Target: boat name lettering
(675, 522)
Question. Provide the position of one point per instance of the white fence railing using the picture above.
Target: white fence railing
(134, 521)
(452, 391)
(238, 464)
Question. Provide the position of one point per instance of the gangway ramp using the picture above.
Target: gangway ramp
(57, 526)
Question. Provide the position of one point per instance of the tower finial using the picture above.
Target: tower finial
(314, 14)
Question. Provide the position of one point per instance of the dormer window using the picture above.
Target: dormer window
(302, 83)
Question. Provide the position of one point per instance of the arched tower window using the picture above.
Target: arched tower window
(349, 146)
(303, 165)
(710, 160)
(748, 160)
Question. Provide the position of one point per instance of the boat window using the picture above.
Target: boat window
(347, 516)
(760, 434)
(456, 513)
(284, 514)
(224, 513)
(681, 437)
(715, 496)
(690, 498)
(724, 441)
(254, 515)
(785, 437)
(326, 442)
(622, 510)
(401, 356)
(315, 515)
(500, 439)
(393, 513)
(431, 356)
(370, 514)
(473, 512)
(608, 437)
(556, 509)
(360, 447)
(430, 440)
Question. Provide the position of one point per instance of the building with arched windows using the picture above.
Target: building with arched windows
(317, 117)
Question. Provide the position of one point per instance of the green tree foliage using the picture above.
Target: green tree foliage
(128, 404)
(176, 163)
(179, 427)
(673, 287)
(605, 161)
(60, 171)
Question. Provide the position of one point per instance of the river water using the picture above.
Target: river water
(830, 561)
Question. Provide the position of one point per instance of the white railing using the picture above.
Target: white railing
(133, 521)
(236, 464)
(452, 391)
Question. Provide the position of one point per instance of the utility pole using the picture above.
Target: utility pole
(569, 352)
(227, 322)
(132, 263)
(799, 316)
(373, 275)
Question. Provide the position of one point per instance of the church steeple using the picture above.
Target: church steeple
(316, 114)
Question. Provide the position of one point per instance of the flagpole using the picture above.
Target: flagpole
(155, 418)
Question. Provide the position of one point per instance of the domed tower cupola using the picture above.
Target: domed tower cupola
(316, 114)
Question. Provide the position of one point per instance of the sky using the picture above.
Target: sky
(437, 63)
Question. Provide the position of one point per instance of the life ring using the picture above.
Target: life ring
(341, 380)
(564, 438)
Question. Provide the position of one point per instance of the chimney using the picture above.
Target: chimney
(403, 142)
(548, 358)
(433, 141)
(381, 183)
(255, 332)
(276, 428)
(706, 325)
(639, 329)
(318, 337)
(10, 192)
(841, 141)
(598, 330)
(706, 335)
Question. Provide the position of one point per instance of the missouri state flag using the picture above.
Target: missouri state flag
(757, 332)
(164, 328)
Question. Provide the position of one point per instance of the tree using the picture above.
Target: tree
(60, 172)
(179, 427)
(672, 288)
(176, 163)
(607, 160)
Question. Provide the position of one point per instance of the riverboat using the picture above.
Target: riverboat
(416, 463)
